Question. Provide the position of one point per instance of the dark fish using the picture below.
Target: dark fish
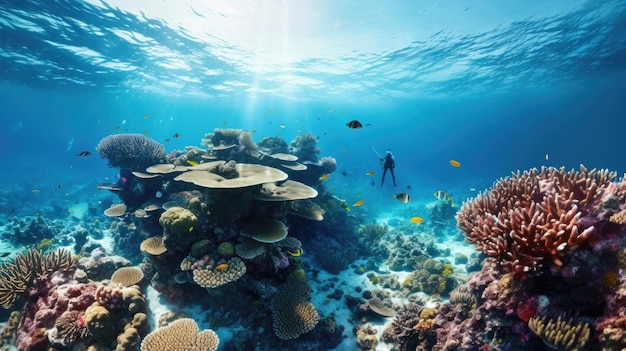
(84, 154)
(409, 187)
(403, 197)
(5, 254)
(176, 136)
(60, 186)
(354, 124)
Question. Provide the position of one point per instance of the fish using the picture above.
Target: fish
(145, 132)
(370, 173)
(222, 266)
(270, 112)
(225, 122)
(442, 196)
(176, 136)
(117, 128)
(472, 189)
(454, 163)
(546, 157)
(324, 176)
(299, 130)
(190, 229)
(409, 187)
(253, 131)
(60, 186)
(36, 191)
(297, 253)
(192, 163)
(331, 110)
(112, 187)
(5, 254)
(282, 126)
(146, 116)
(416, 220)
(403, 197)
(354, 124)
(70, 211)
(358, 203)
(84, 154)
(167, 140)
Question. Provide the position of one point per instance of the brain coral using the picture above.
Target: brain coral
(292, 313)
(181, 334)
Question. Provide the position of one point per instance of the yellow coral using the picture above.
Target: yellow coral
(447, 270)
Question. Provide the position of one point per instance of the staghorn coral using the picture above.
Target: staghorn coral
(181, 334)
(133, 151)
(560, 334)
(292, 313)
(534, 215)
(18, 274)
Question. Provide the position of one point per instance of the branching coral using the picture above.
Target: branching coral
(528, 217)
(132, 151)
(560, 334)
(18, 274)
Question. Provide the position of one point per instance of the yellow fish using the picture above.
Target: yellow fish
(192, 163)
(454, 163)
(146, 116)
(324, 176)
(297, 253)
(358, 203)
(442, 196)
(546, 157)
(36, 191)
(370, 173)
(221, 266)
(190, 229)
(70, 211)
(331, 111)
(417, 220)
(145, 132)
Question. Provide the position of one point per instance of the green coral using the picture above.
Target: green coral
(460, 258)
(226, 250)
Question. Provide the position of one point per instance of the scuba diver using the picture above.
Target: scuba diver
(388, 163)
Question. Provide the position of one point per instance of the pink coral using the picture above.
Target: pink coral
(534, 215)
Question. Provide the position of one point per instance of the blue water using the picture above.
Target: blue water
(497, 85)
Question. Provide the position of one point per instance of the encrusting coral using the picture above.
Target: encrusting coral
(532, 216)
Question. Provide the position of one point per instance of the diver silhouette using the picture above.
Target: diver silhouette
(388, 163)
